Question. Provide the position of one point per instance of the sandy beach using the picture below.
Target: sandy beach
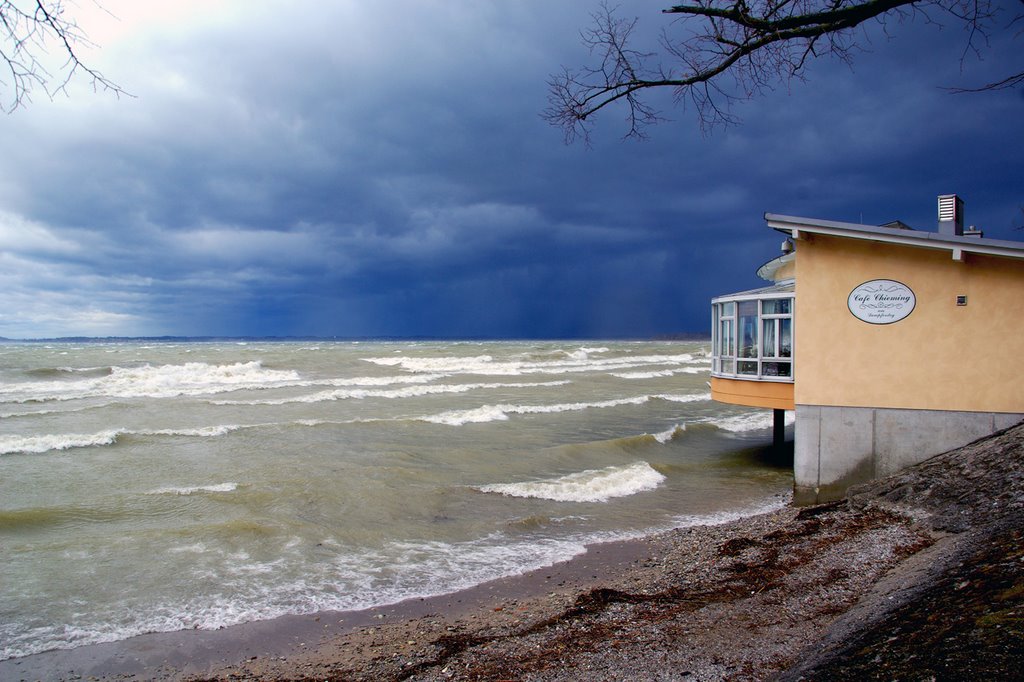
(917, 575)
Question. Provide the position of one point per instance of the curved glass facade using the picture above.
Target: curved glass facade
(752, 335)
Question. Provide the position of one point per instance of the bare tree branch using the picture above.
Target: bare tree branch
(723, 51)
(28, 32)
(1004, 84)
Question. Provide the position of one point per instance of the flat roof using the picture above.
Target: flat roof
(780, 290)
(957, 246)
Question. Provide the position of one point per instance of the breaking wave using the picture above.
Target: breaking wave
(407, 392)
(755, 421)
(491, 413)
(593, 485)
(54, 442)
(579, 361)
(670, 434)
(148, 381)
(45, 443)
(218, 488)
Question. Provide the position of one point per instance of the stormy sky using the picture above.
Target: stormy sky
(359, 168)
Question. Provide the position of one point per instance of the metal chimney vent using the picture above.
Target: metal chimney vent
(951, 215)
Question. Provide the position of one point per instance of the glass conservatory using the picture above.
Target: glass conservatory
(752, 334)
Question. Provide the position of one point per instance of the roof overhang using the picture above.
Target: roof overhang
(957, 246)
(768, 270)
(784, 289)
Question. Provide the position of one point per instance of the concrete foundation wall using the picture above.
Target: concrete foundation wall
(837, 447)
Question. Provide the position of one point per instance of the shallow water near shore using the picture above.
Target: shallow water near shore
(167, 486)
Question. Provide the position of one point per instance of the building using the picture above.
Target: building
(891, 344)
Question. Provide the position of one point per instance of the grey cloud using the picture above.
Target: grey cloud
(382, 169)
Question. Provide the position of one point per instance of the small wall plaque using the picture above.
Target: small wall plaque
(881, 301)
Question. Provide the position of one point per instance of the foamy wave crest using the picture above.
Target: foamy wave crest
(195, 378)
(644, 375)
(47, 442)
(685, 398)
(202, 432)
(393, 393)
(218, 488)
(756, 421)
(491, 413)
(667, 436)
(594, 485)
(35, 413)
(447, 364)
(36, 444)
(578, 361)
(585, 353)
(385, 381)
(655, 374)
(163, 381)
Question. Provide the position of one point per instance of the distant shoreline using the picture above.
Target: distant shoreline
(683, 336)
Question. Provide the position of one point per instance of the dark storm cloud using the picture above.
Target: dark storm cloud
(372, 170)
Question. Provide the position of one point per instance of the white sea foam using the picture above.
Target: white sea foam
(34, 413)
(490, 413)
(685, 397)
(447, 364)
(755, 421)
(47, 442)
(393, 393)
(192, 490)
(201, 432)
(644, 375)
(583, 354)
(594, 485)
(578, 361)
(382, 381)
(194, 548)
(655, 374)
(348, 583)
(277, 565)
(667, 436)
(149, 381)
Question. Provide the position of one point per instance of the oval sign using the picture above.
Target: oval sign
(881, 301)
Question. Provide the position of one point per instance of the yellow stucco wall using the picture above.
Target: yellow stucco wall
(941, 357)
(770, 394)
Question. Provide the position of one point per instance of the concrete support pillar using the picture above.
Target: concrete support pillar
(779, 428)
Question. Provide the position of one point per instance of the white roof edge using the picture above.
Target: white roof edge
(783, 289)
(918, 238)
(768, 270)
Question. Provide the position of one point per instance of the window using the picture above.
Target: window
(777, 306)
(753, 338)
(725, 339)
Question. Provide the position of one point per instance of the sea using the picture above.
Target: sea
(162, 486)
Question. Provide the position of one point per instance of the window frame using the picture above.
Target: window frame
(727, 363)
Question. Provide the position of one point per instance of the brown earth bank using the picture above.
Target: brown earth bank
(914, 577)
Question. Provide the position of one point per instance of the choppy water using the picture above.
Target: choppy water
(154, 487)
